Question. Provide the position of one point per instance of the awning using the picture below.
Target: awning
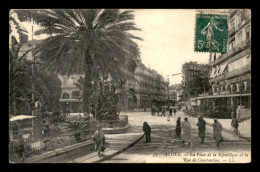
(223, 95)
(70, 100)
(212, 75)
(217, 71)
(222, 68)
(21, 117)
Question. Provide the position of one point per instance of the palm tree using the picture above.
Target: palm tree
(81, 39)
(16, 68)
(77, 127)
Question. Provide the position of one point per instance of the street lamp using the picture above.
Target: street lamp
(240, 91)
(67, 108)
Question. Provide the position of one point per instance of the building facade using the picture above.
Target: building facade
(175, 92)
(148, 86)
(230, 76)
(71, 98)
(190, 72)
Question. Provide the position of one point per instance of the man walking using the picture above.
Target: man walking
(99, 139)
(186, 132)
(217, 129)
(147, 131)
(178, 128)
(234, 123)
(174, 111)
(202, 127)
(170, 110)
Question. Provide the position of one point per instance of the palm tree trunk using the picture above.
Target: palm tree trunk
(87, 88)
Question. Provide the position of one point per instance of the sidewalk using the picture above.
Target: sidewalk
(244, 127)
(115, 143)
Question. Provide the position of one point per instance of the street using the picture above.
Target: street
(164, 148)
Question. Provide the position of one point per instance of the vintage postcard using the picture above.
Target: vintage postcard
(130, 86)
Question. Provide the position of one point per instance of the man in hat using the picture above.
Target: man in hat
(234, 123)
(201, 127)
(217, 129)
(186, 131)
(99, 139)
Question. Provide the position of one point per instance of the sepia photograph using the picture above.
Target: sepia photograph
(129, 86)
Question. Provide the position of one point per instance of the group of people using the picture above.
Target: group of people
(183, 131)
(164, 112)
(185, 128)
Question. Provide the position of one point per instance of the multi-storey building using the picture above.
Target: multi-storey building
(70, 97)
(190, 72)
(26, 49)
(175, 91)
(147, 83)
(230, 75)
(148, 86)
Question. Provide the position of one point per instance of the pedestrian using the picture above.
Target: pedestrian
(217, 129)
(147, 132)
(174, 111)
(152, 110)
(178, 127)
(79, 117)
(170, 110)
(46, 134)
(186, 132)
(202, 127)
(55, 131)
(46, 131)
(234, 123)
(163, 112)
(168, 115)
(99, 139)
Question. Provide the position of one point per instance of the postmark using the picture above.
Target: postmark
(211, 32)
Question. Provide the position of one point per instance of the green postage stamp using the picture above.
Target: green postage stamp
(211, 33)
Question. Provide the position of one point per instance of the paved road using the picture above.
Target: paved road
(165, 148)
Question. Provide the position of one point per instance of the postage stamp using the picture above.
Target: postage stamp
(211, 33)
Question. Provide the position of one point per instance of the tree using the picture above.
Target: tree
(81, 39)
(15, 68)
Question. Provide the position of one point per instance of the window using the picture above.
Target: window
(239, 18)
(239, 37)
(75, 94)
(65, 96)
(65, 81)
(247, 35)
(75, 80)
(232, 23)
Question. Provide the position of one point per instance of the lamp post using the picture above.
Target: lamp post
(240, 92)
(67, 108)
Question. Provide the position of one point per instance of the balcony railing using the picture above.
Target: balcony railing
(231, 31)
(238, 48)
(235, 72)
(239, 71)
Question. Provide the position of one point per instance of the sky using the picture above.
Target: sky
(168, 40)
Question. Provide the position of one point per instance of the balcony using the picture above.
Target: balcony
(246, 44)
(233, 73)
(216, 79)
(239, 71)
(231, 31)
